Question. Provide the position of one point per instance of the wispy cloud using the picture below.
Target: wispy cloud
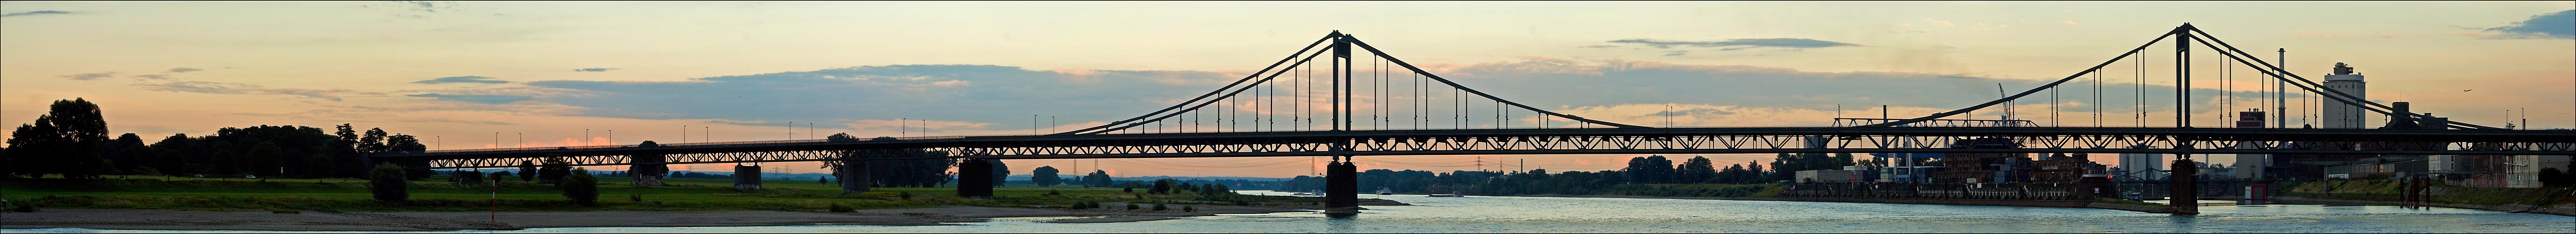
(36, 13)
(2561, 25)
(240, 88)
(1943, 23)
(151, 76)
(461, 79)
(1736, 44)
(91, 76)
(494, 99)
(593, 69)
(183, 70)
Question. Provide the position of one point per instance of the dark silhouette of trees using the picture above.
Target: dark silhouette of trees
(1649, 170)
(263, 160)
(1696, 170)
(129, 156)
(1097, 179)
(1044, 176)
(1161, 186)
(527, 171)
(554, 170)
(2552, 177)
(1001, 173)
(581, 187)
(67, 140)
(388, 184)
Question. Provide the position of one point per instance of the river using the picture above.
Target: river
(1625, 215)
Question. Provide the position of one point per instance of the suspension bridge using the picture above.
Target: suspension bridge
(1300, 106)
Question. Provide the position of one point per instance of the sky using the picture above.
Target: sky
(535, 74)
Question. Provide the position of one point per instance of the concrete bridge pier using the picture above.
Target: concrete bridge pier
(854, 176)
(2185, 188)
(975, 179)
(1341, 187)
(746, 177)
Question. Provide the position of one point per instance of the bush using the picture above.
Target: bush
(1160, 207)
(30, 207)
(907, 195)
(1131, 206)
(1092, 204)
(1080, 205)
(283, 211)
(388, 183)
(635, 197)
(582, 188)
(1188, 208)
(839, 208)
(1053, 192)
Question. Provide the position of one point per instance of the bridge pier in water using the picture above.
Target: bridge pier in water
(854, 176)
(746, 177)
(2185, 197)
(1341, 187)
(975, 179)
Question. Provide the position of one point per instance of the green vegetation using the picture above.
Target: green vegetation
(583, 188)
(387, 184)
(232, 194)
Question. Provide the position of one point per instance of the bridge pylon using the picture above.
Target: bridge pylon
(1341, 186)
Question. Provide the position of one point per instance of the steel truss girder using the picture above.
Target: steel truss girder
(1592, 141)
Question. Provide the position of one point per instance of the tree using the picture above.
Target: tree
(527, 171)
(373, 142)
(2552, 177)
(169, 156)
(1696, 170)
(1649, 170)
(263, 160)
(37, 146)
(1161, 186)
(129, 155)
(931, 170)
(554, 170)
(67, 140)
(582, 188)
(1097, 179)
(1001, 173)
(388, 184)
(1044, 176)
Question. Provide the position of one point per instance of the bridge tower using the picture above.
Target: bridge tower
(975, 179)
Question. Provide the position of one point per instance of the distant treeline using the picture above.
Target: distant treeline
(1640, 171)
(71, 141)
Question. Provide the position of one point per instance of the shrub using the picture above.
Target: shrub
(388, 183)
(907, 195)
(635, 197)
(582, 188)
(1187, 208)
(839, 208)
(30, 207)
(1131, 206)
(283, 211)
(1080, 205)
(1092, 204)
(1053, 192)
(1160, 207)
(1131, 190)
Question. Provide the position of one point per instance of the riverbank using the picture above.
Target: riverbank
(447, 220)
(2138, 207)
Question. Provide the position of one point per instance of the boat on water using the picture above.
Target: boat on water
(1308, 193)
(1448, 195)
(1384, 191)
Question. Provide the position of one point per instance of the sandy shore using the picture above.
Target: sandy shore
(424, 221)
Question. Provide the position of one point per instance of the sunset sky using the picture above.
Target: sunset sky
(457, 72)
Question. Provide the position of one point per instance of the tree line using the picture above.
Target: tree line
(1640, 170)
(70, 141)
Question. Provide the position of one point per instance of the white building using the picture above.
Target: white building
(2338, 114)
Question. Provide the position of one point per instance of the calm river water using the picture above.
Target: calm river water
(1622, 215)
